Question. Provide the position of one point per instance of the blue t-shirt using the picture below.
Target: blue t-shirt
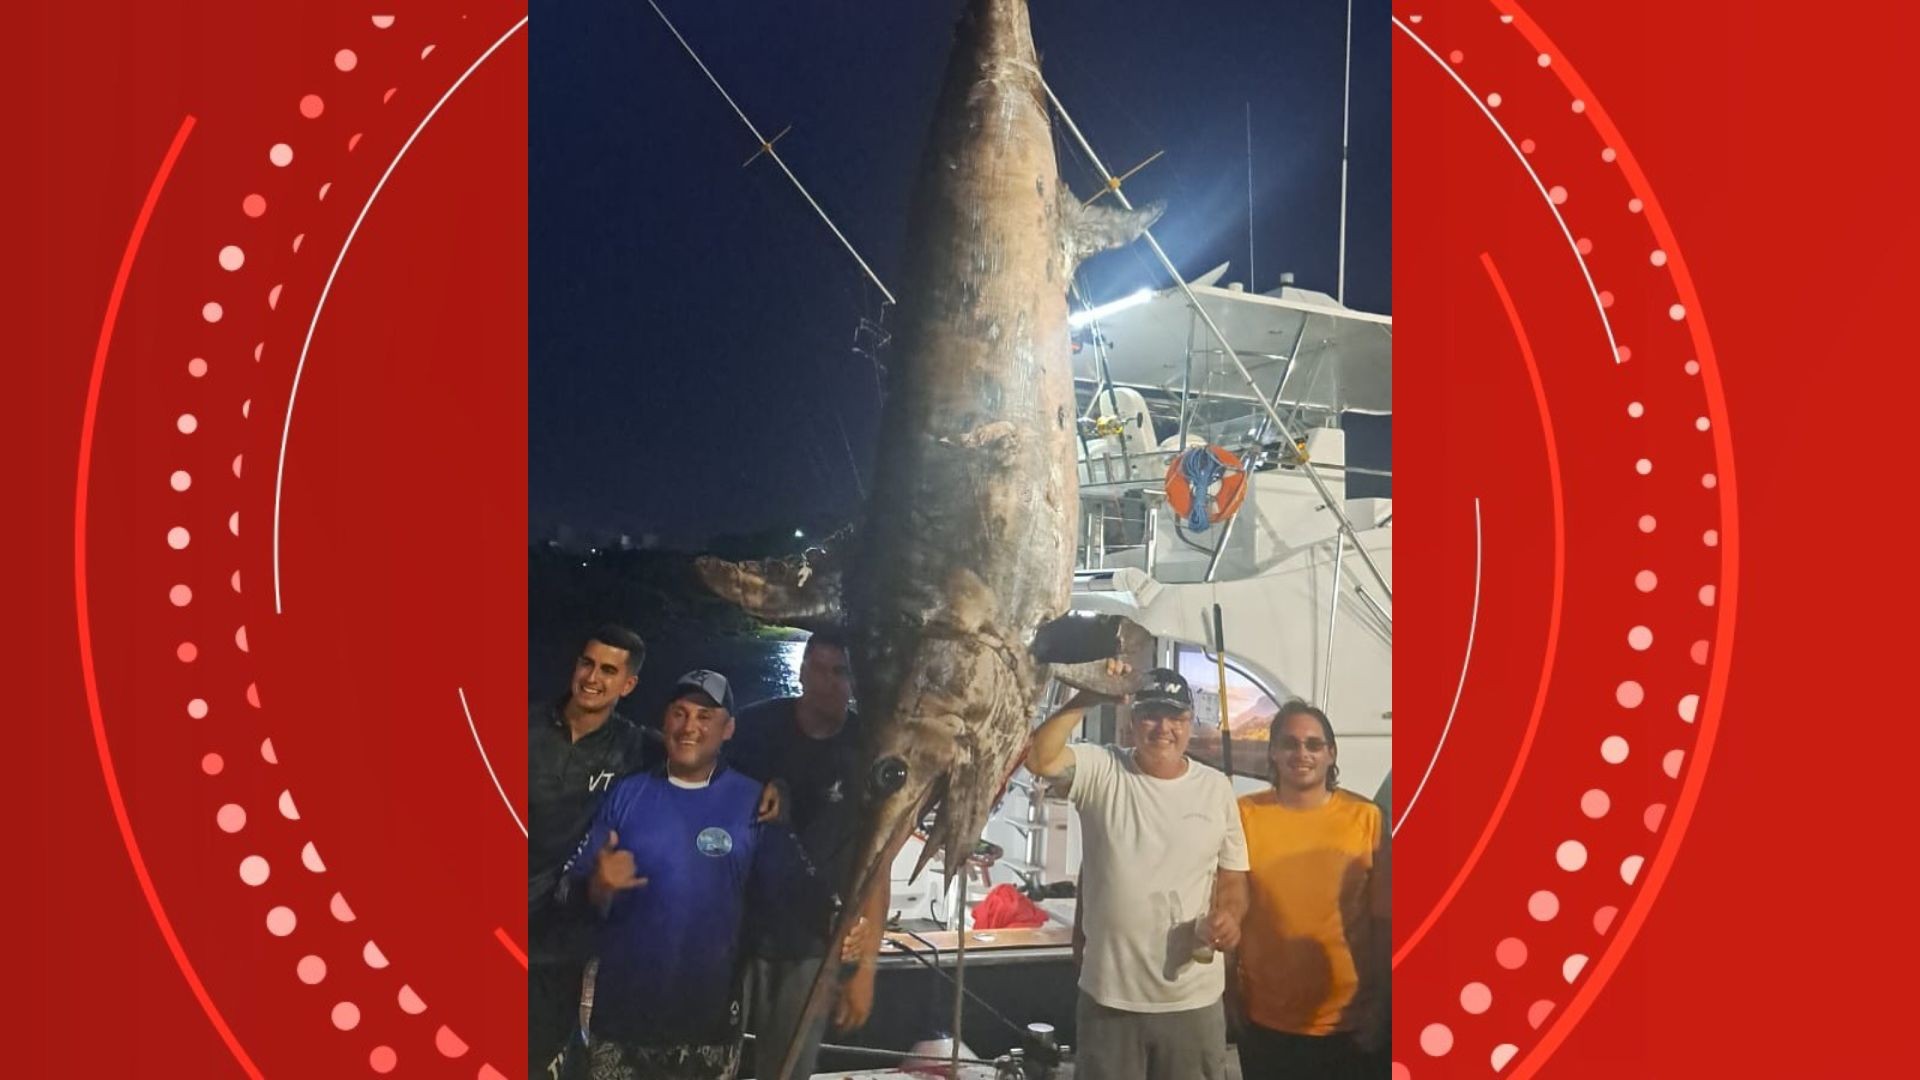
(670, 949)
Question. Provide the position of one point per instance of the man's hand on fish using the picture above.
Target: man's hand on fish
(860, 950)
(1084, 699)
(613, 873)
(1119, 669)
(855, 1002)
(861, 940)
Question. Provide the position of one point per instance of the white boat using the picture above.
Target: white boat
(1301, 387)
(1304, 594)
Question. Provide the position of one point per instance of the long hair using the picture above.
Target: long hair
(1297, 707)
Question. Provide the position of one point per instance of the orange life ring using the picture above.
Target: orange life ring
(1224, 494)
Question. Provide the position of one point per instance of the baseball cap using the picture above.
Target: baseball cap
(1163, 691)
(710, 683)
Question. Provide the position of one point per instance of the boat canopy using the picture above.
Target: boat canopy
(1304, 350)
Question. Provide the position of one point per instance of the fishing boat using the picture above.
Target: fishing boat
(1283, 590)
(1297, 584)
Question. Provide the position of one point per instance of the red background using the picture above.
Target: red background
(1775, 144)
(1773, 141)
(403, 525)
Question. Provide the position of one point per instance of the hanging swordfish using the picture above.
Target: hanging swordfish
(954, 590)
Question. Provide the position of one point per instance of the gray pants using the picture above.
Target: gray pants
(778, 990)
(1114, 1044)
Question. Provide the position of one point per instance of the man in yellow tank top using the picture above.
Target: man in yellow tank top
(1308, 978)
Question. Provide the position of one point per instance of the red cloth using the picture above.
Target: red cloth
(1005, 908)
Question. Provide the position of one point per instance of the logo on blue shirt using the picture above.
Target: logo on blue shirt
(715, 841)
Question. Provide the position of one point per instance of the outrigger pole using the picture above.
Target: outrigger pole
(1280, 424)
(1346, 115)
(766, 147)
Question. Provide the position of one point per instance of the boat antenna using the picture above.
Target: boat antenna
(766, 147)
(1346, 113)
(1252, 279)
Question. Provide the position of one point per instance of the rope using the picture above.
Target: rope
(1201, 470)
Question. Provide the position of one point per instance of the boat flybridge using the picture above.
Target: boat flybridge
(1297, 582)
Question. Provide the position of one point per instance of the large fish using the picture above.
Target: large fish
(966, 552)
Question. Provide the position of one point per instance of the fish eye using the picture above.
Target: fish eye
(888, 776)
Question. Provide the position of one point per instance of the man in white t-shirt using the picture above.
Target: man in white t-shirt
(1163, 883)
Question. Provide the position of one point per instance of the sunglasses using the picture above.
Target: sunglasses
(1310, 745)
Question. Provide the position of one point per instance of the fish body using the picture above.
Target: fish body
(966, 549)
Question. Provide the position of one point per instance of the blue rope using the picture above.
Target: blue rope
(1200, 469)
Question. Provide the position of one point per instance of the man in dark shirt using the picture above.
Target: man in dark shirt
(807, 749)
(678, 866)
(577, 746)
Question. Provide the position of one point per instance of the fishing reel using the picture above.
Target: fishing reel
(1092, 427)
(1036, 890)
(1036, 1058)
(1279, 454)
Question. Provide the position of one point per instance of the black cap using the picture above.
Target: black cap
(708, 684)
(1163, 691)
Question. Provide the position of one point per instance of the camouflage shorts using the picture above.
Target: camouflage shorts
(608, 1060)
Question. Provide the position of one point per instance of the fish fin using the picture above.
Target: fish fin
(797, 590)
(926, 856)
(974, 787)
(963, 817)
(1087, 229)
(1081, 648)
(934, 808)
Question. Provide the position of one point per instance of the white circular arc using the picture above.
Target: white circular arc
(1473, 626)
(279, 472)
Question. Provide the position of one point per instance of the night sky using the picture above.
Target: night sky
(692, 366)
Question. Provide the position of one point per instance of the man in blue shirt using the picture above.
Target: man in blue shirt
(677, 864)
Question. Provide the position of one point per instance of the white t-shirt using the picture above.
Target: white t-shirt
(1149, 851)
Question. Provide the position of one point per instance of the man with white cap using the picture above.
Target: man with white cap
(1163, 883)
(675, 863)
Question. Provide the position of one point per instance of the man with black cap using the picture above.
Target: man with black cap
(676, 863)
(578, 744)
(1163, 883)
